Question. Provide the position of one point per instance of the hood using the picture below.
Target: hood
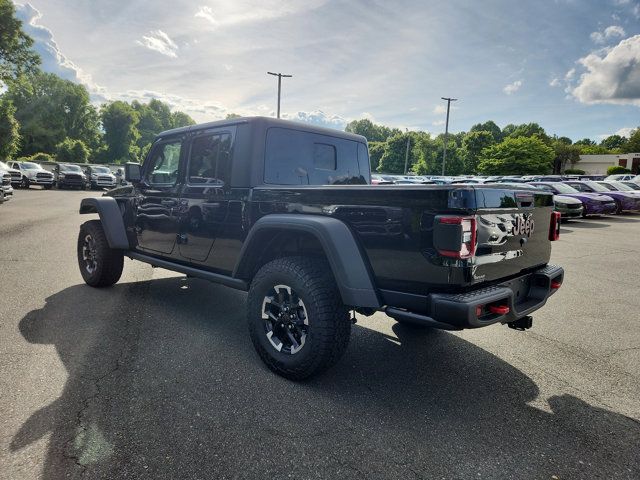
(566, 199)
(586, 196)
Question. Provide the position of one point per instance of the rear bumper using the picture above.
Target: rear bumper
(521, 296)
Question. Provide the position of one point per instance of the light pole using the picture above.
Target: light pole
(446, 131)
(406, 153)
(279, 75)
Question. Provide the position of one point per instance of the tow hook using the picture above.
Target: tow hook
(521, 324)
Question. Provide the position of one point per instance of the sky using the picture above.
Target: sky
(573, 66)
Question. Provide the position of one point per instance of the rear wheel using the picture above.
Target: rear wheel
(100, 265)
(297, 322)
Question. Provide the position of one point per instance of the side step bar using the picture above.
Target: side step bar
(190, 271)
(417, 319)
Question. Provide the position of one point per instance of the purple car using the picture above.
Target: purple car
(593, 203)
(624, 200)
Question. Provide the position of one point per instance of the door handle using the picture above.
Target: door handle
(167, 202)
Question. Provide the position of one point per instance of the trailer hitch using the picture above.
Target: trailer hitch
(521, 324)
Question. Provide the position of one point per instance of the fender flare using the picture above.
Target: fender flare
(111, 217)
(346, 259)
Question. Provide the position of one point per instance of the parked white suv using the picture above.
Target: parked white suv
(33, 174)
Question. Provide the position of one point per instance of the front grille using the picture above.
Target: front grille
(574, 205)
(105, 179)
(44, 175)
(72, 176)
(6, 179)
(16, 176)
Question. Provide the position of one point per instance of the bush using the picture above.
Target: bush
(517, 156)
(617, 169)
(38, 157)
(574, 171)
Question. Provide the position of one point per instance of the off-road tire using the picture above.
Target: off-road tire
(25, 183)
(108, 262)
(48, 187)
(329, 326)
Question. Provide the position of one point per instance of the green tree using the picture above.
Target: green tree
(613, 142)
(527, 130)
(488, 126)
(565, 155)
(72, 151)
(181, 119)
(565, 140)
(9, 130)
(16, 56)
(591, 149)
(633, 144)
(586, 142)
(517, 156)
(120, 122)
(50, 109)
(372, 132)
(393, 156)
(473, 144)
(376, 149)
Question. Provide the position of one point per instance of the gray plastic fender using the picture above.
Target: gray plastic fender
(111, 217)
(346, 259)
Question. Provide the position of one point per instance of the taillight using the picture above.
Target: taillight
(554, 226)
(464, 237)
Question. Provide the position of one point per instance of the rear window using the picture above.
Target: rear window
(295, 157)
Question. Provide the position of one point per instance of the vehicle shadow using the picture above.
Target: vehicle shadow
(591, 223)
(163, 383)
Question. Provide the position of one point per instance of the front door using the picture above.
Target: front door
(204, 201)
(157, 201)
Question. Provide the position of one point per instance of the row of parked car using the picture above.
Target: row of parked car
(574, 195)
(62, 175)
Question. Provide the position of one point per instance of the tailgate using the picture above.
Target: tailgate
(512, 232)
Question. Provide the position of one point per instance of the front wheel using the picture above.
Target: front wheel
(100, 265)
(25, 182)
(297, 321)
(48, 187)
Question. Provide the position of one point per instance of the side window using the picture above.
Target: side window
(324, 156)
(210, 159)
(295, 157)
(163, 164)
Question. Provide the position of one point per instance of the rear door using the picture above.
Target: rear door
(157, 201)
(204, 203)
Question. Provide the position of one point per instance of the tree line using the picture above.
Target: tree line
(485, 149)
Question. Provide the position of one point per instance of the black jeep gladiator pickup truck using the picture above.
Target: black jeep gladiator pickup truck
(285, 211)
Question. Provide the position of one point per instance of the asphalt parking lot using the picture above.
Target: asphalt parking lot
(157, 378)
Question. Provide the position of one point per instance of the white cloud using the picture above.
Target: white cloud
(512, 87)
(555, 82)
(611, 77)
(160, 42)
(439, 109)
(52, 59)
(570, 75)
(207, 14)
(437, 123)
(625, 131)
(610, 32)
(318, 117)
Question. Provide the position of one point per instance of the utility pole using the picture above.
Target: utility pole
(279, 75)
(406, 154)
(446, 131)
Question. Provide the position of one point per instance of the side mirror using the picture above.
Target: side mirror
(132, 172)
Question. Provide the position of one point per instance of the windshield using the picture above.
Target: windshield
(621, 186)
(596, 187)
(30, 166)
(101, 170)
(607, 186)
(563, 188)
(70, 168)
